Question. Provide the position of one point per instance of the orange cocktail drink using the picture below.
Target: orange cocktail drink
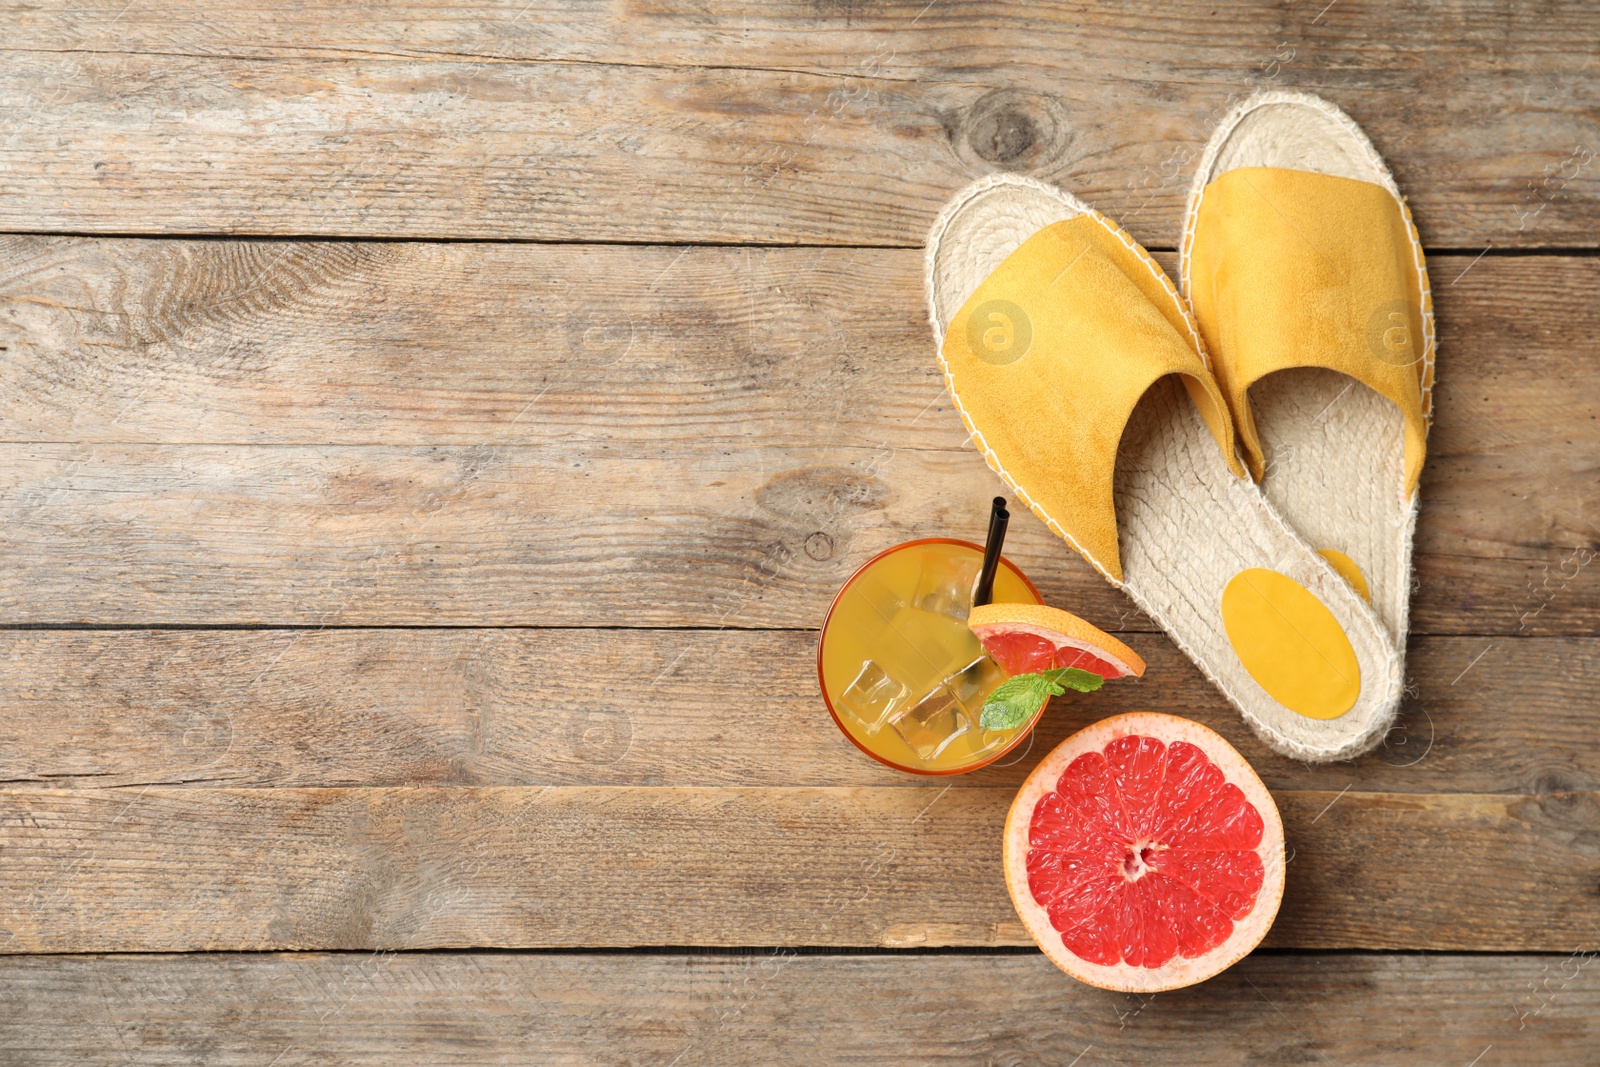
(902, 675)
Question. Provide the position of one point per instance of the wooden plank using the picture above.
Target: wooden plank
(590, 534)
(909, 41)
(671, 708)
(465, 1008)
(407, 343)
(776, 126)
(403, 343)
(163, 869)
(520, 535)
(669, 401)
(926, 41)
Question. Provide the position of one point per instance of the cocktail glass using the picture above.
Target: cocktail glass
(900, 672)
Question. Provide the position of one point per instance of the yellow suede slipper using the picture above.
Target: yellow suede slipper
(1306, 276)
(1083, 380)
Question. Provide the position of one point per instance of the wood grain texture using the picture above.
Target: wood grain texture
(603, 536)
(110, 340)
(582, 442)
(778, 1007)
(164, 869)
(410, 434)
(671, 708)
(780, 124)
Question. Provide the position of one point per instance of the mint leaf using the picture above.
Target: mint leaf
(1016, 700)
(1074, 678)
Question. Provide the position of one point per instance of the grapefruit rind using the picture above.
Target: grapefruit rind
(1248, 930)
(1054, 625)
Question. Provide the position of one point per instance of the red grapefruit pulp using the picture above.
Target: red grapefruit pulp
(1024, 638)
(1024, 653)
(1144, 854)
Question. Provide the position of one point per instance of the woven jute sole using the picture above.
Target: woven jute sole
(1186, 524)
(1335, 450)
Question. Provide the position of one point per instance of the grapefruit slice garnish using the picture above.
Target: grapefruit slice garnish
(1144, 854)
(1024, 638)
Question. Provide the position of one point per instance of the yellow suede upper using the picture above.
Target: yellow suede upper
(1288, 268)
(1049, 356)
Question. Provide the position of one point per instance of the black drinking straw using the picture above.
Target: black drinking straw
(998, 518)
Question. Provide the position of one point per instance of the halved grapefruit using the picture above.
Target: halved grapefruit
(1144, 854)
(1024, 638)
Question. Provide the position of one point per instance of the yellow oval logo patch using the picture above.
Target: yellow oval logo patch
(1348, 571)
(1290, 643)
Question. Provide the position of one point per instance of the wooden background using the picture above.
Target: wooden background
(430, 434)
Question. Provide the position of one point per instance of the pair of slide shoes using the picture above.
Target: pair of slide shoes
(1130, 420)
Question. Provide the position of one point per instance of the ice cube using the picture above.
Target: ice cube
(923, 649)
(973, 684)
(945, 585)
(972, 687)
(872, 606)
(932, 723)
(872, 696)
